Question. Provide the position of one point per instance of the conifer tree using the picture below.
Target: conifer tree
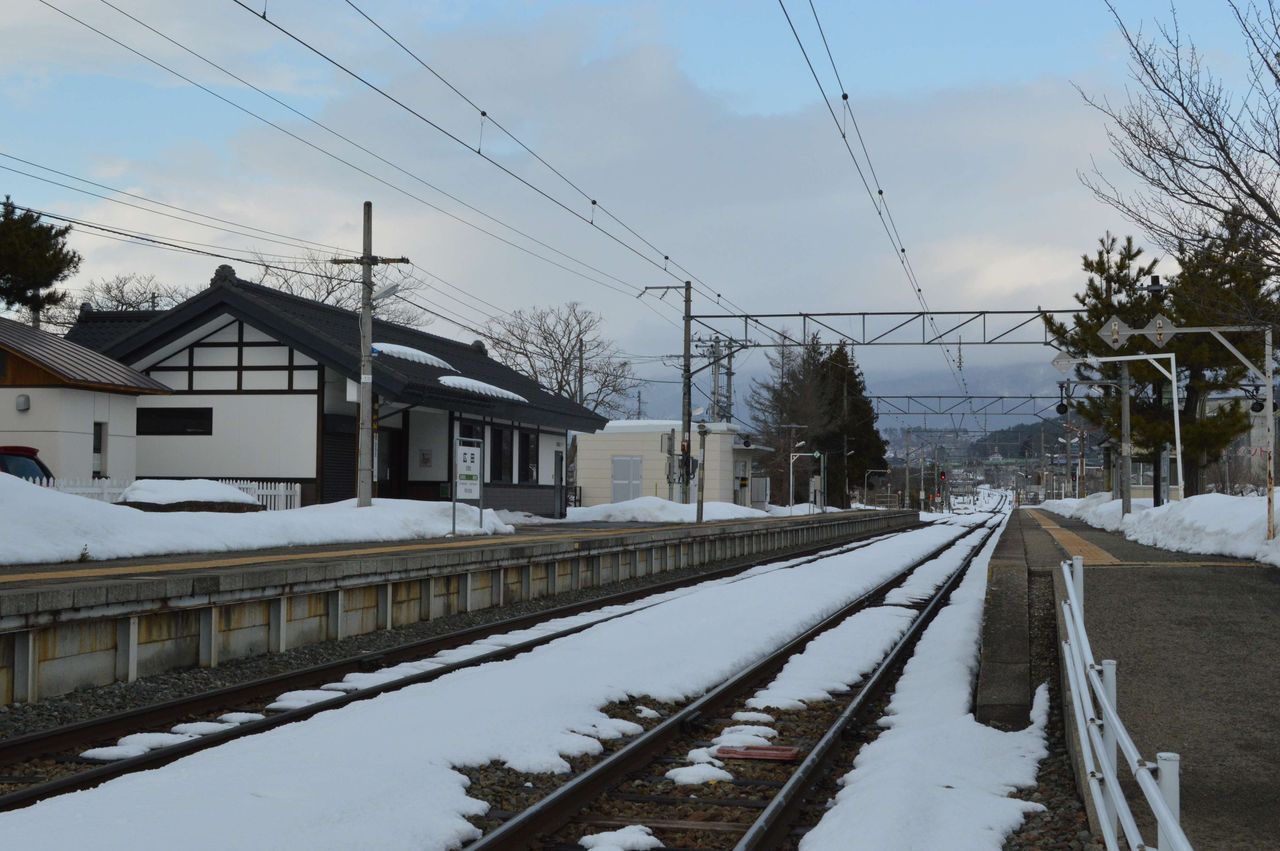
(33, 259)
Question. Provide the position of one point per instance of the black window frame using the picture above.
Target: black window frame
(175, 422)
(502, 447)
(528, 445)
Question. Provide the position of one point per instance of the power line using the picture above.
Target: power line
(878, 199)
(330, 154)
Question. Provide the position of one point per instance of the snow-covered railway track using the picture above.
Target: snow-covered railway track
(762, 767)
(48, 763)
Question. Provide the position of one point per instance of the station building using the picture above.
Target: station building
(262, 385)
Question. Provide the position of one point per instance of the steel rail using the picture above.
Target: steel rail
(559, 807)
(773, 823)
(73, 735)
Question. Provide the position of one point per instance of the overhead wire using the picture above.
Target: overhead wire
(326, 152)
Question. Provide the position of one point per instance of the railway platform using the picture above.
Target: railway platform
(67, 626)
(1197, 642)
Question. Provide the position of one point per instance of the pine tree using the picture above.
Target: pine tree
(33, 259)
(1221, 275)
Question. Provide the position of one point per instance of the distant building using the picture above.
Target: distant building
(264, 386)
(634, 458)
(72, 404)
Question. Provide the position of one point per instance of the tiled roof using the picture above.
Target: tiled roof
(331, 335)
(98, 329)
(72, 362)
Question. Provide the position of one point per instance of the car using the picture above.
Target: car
(23, 462)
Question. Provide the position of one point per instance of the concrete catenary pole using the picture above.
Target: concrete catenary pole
(1126, 448)
(686, 404)
(364, 467)
(702, 467)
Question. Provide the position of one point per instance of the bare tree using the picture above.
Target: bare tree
(547, 344)
(1203, 152)
(120, 292)
(318, 279)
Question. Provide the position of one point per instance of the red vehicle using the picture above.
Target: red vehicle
(23, 462)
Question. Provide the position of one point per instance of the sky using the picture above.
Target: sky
(696, 124)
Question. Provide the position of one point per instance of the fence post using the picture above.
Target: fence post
(1109, 734)
(1077, 577)
(1167, 775)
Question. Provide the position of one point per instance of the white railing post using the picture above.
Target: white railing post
(1167, 765)
(1077, 576)
(1109, 729)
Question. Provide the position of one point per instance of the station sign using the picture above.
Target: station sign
(466, 476)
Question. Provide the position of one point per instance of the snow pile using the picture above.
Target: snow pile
(167, 492)
(1209, 524)
(411, 354)
(936, 778)
(653, 509)
(633, 837)
(42, 525)
(480, 388)
(529, 713)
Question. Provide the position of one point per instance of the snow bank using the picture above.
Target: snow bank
(936, 778)
(653, 509)
(380, 773)
(166, 492)
(802, 508)
(42, 525)
(1209, 524)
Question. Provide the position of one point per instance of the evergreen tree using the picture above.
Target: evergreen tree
(1222, 273)
(816, 394)
(33, 259)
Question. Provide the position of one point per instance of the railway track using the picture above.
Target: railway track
(775, 793)
(49, 763)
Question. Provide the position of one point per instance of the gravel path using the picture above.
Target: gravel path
(1064, 824)
(90, 703)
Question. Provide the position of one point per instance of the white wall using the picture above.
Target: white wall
(548, 444)
(428, 431)
(595, 464)
(60, 425)
(254, 436)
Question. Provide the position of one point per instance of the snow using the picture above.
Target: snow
(530, 713)
(241, 717)
(43, 525)
(835, 660)
(653, 509)
(1209, 524)
(481, 388)
(925, 579)
(112, 753)
(936, 778)
(753, 717)
(633, 837)
(152, 741)
(689, 775)
(799, 509)
(167, 492)
(201, 728)
(647, 713)
(298, 699)
(409, 353)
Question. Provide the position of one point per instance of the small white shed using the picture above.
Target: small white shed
(634, 458)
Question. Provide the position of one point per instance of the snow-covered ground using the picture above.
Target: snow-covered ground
(936, 778)
(654, 509)
(170, 491)
(43, 525)
(1210, 524)
(380, 773)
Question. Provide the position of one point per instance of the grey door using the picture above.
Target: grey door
(626, 477)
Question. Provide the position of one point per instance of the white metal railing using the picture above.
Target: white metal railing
(1102, 733)
(273, 496)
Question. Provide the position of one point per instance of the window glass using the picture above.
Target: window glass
(475, 431)
(171, 421)
(501, 454)
(99, 444)
(528, 457)
(4, 363)
(21, 466)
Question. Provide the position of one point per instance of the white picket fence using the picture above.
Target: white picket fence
(273, 496)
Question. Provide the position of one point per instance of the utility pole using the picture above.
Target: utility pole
(686, 390)
(728, 386)
(715, 378)
(582, 372)
(364, 467)
(1126, 450)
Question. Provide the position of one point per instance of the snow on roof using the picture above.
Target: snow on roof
(664, 425)
(409, 353)
(471, 385)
